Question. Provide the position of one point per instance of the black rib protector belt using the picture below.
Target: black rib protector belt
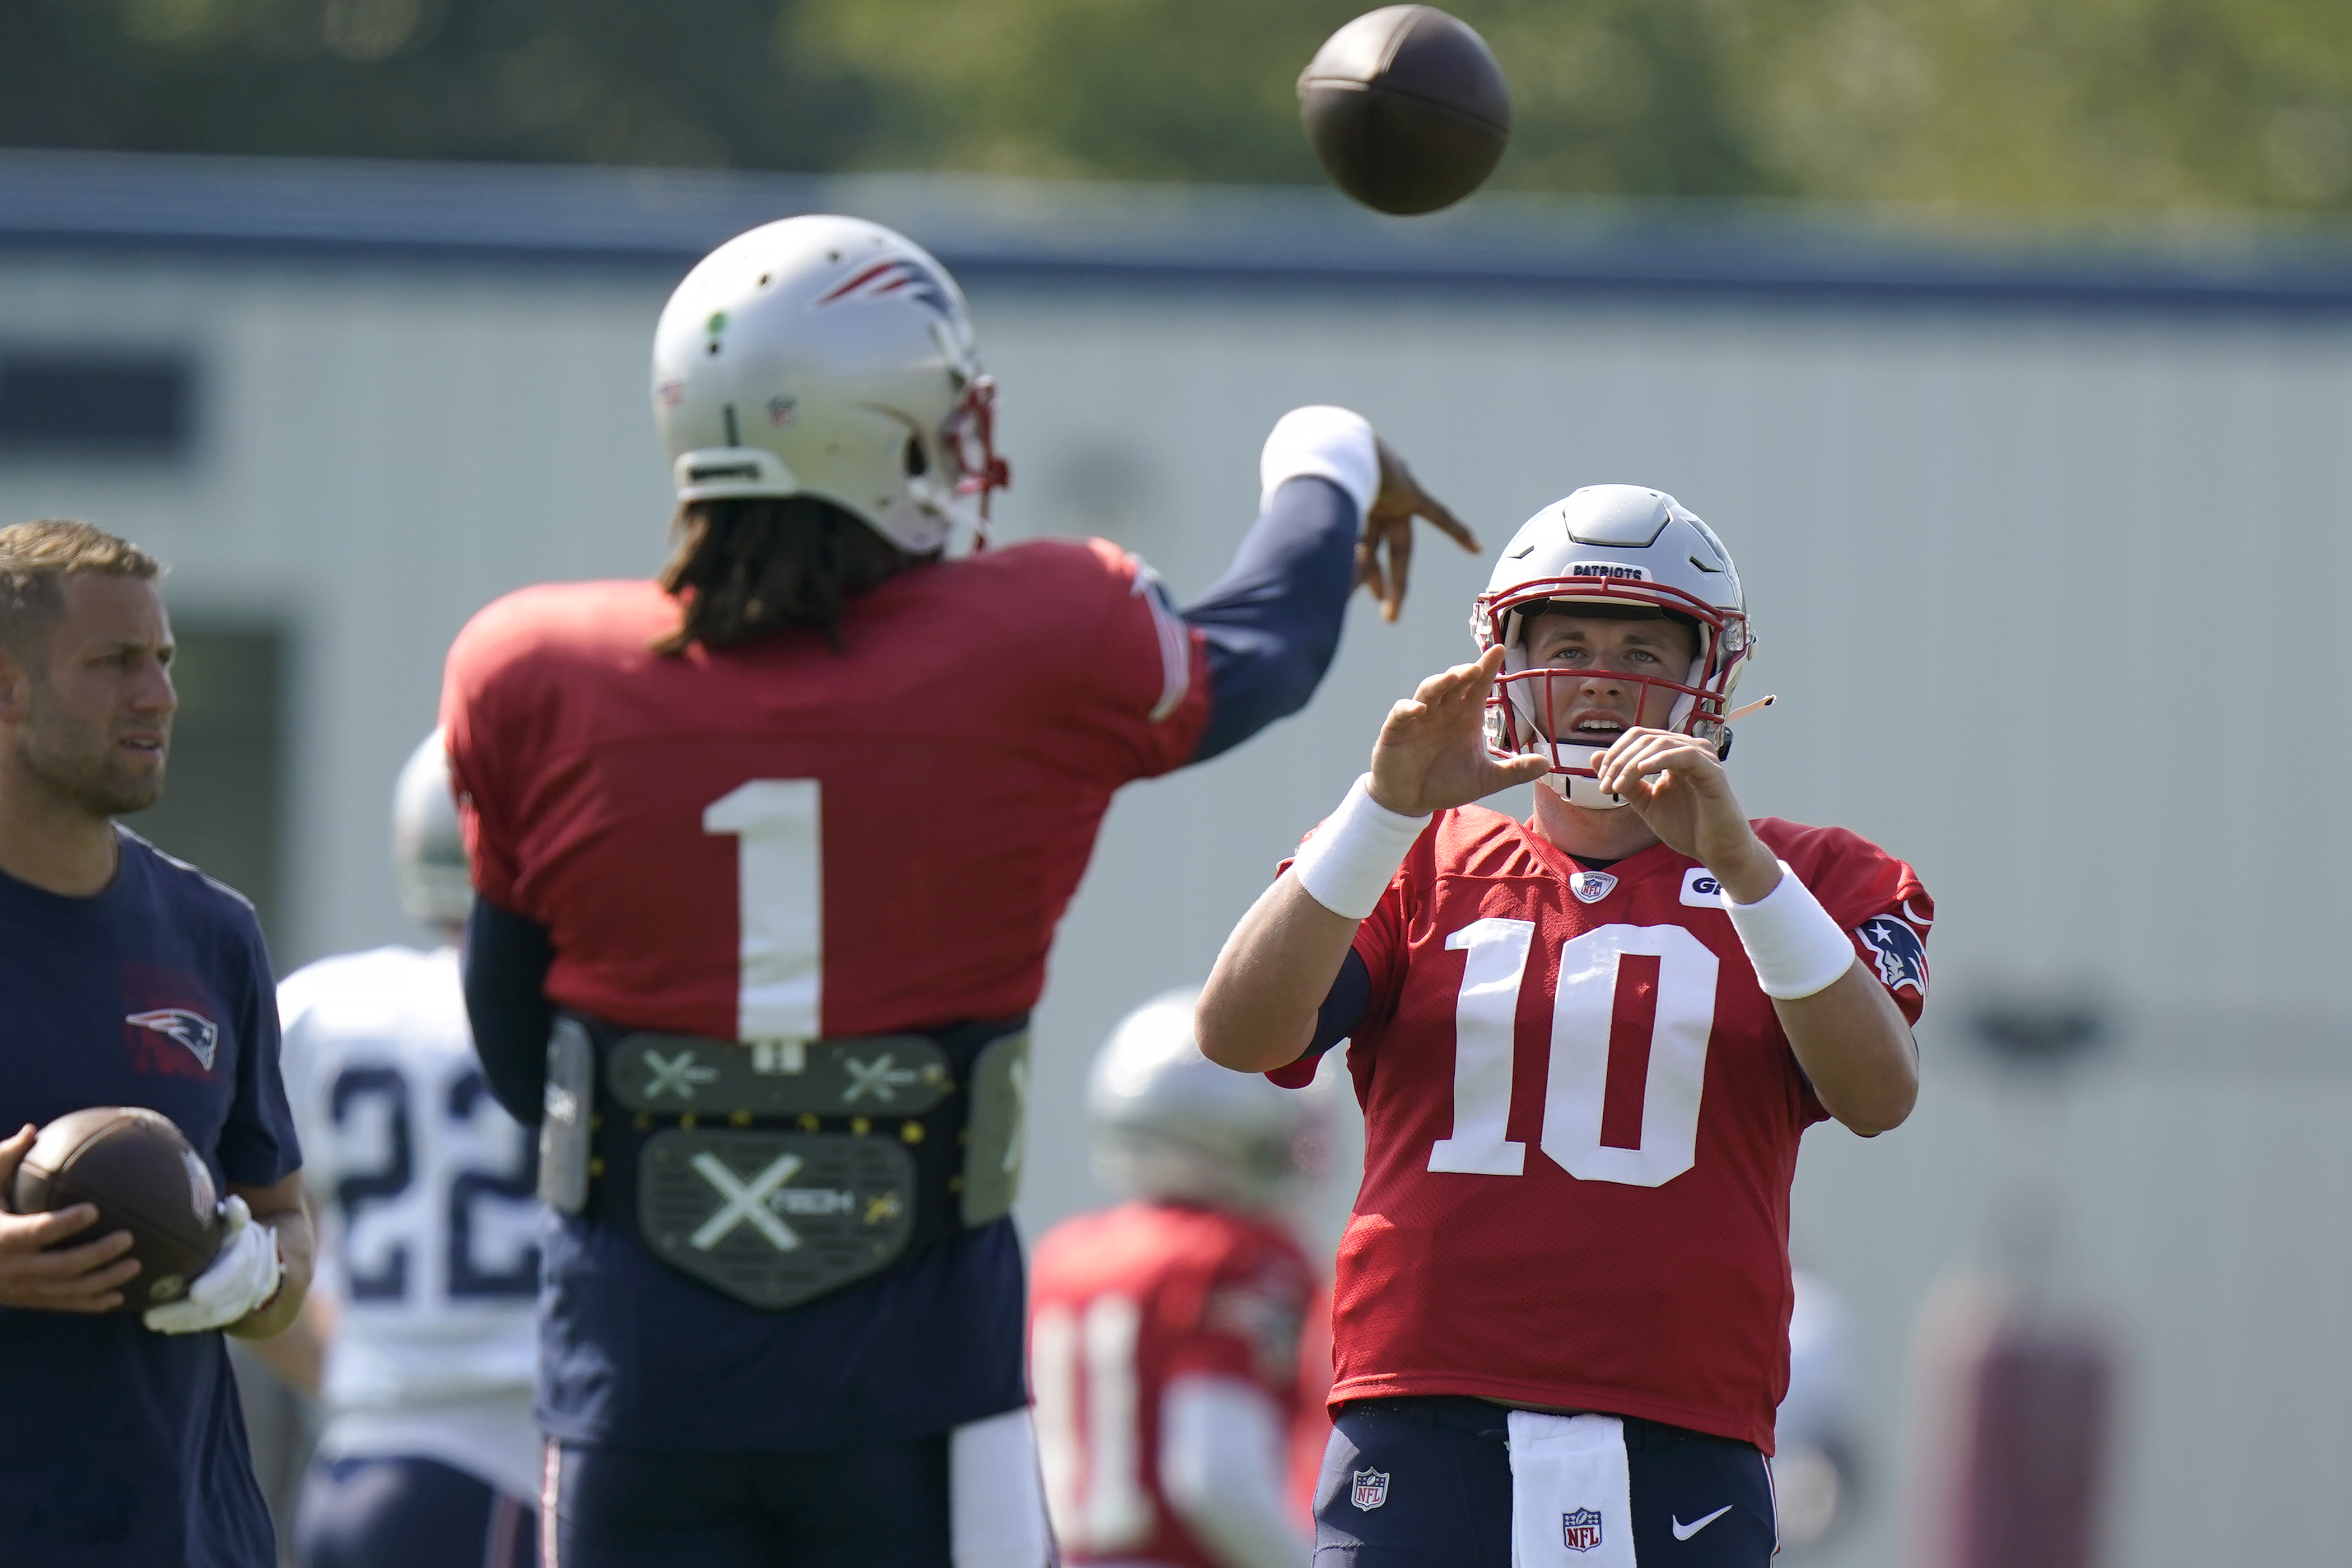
(777, 1171)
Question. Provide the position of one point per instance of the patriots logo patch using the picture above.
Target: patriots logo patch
(1896, 948)
(194, 1031)
(901, 275)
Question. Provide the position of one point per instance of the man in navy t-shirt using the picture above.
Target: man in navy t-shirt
(126, 978)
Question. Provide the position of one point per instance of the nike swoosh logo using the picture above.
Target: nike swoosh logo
(1684, 1531)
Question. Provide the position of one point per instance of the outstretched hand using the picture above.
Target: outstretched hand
(1431, 753)
(1677, 785)
(1388, 530)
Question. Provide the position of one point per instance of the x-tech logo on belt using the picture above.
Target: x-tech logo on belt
(747, 1202)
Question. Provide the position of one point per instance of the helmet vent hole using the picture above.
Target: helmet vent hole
(917, 464)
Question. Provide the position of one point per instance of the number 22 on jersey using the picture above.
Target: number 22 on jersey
(1587, 1012)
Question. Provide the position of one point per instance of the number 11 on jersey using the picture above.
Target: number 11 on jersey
(778, 828)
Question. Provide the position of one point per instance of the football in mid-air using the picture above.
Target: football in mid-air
(143, 1177)
(1406, 108)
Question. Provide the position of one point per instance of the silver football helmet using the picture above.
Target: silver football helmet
(1170, 1123)
(429, 847)
(829, 357)
(1620, 546)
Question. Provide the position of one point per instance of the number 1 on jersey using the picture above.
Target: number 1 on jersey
(778, 827)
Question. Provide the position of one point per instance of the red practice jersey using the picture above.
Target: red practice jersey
(1122, 1304)
(1582, 1120)
(778, 841)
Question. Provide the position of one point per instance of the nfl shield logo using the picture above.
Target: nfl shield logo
(1580, 1530)
(1372, 1489)
(1590, 886)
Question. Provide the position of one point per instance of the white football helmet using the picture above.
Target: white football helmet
(829, 357)
(1619, 545)
(429, 847)
(1170, 1123)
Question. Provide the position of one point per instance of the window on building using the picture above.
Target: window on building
(101, 401)
(224, 801)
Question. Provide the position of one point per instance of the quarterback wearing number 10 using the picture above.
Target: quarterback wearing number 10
(782, 838)
(1587, 1047)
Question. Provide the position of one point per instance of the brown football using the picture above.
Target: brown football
(1406, 108)
(139, 1170)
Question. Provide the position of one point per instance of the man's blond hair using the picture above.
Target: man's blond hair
(36, 558)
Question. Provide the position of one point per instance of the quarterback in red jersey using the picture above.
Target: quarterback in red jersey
(1587, 1047)
(1165, 1334)
(770, 853)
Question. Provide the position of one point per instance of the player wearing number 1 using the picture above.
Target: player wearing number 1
(770, 853)
(1587, 1047)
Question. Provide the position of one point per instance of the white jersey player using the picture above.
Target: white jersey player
(429, 1453)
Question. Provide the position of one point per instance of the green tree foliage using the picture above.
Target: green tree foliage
(619, 81)
(2140, 103)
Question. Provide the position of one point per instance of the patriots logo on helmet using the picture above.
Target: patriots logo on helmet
(194, 1031)
(902, 276)
(1896, 948)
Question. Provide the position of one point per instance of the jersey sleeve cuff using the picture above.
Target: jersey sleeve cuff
(1322, 442)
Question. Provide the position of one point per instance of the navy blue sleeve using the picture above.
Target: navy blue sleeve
(1343, 1006)
(507, 959)
(257, 1147)
(1271, 622)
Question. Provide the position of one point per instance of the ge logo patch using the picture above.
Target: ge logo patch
(1896, 948)
(1701, 891)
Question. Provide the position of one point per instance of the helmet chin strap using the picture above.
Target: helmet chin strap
(1575, 788)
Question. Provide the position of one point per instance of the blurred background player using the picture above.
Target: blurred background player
(1165, 1334)
(1817, 1471)
(819, 785)
(424, 1320)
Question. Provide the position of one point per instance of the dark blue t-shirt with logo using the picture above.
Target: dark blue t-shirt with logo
(119, 1446)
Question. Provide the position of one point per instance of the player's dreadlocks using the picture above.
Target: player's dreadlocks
(745, 568)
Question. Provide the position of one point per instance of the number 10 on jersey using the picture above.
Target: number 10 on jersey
(1575, 1083)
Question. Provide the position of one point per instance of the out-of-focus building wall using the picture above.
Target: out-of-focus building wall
(2045, 552)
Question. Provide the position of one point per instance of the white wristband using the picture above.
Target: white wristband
(1795, 946)
(1334, 444)
(1352, 857)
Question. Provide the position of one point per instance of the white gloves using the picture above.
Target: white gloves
(243, 1276)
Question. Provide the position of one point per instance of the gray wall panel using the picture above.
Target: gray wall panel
(2049, 601)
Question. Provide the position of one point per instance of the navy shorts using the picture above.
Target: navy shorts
(879, 1506)
(1699, 1502)
(404, 1512)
